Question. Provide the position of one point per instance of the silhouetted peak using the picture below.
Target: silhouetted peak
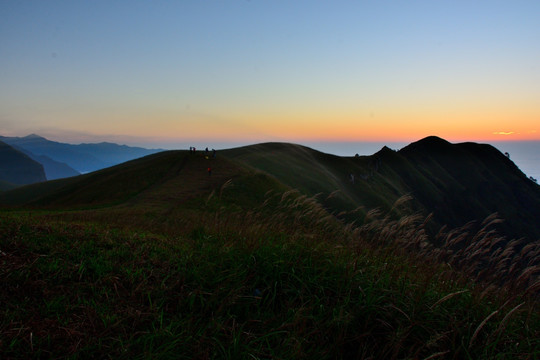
(385, 151)
(428, 144)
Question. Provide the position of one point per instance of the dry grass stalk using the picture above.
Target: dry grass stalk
(436, 355)
(400, 201)
(447, 297)
(226, 185)
(210, 197)
(527, 274)
(534, 287)
(475, 334)
(502, 325)
(332, 194)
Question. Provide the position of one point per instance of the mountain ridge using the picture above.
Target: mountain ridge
(85, 157)
(458, 183)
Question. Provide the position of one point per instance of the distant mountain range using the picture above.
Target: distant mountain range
(62, 160)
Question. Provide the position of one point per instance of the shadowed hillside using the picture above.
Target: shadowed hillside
(160, 182)
(458, 183)
(472, 180)
(16, 168)
(163, 177)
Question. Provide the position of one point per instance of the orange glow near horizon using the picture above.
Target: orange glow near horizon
(295, 124)
(377, 128)
(393, 127)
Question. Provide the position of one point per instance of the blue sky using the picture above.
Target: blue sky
(143, 71)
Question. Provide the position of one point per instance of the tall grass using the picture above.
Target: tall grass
(285, 279)
(475, 249)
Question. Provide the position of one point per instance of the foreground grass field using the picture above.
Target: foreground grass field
(306, 289)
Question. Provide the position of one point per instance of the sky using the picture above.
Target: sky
(167, 72)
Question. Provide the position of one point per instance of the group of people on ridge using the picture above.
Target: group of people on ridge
(193, 150)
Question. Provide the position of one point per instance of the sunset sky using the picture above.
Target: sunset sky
(173, 71)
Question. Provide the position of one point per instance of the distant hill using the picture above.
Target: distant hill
(16, 168)
(53, 169)
(83, 157)
(457, 183)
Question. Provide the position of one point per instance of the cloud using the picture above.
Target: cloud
(503, 133)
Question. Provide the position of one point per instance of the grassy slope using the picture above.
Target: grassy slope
(458, 183)
(148, 192)
(162, 177)
(111, 185)
(313, 172)
(244, 284)
(157, 259)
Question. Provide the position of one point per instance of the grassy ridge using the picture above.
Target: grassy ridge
(312, 172)
(458, 183)
(108, 186)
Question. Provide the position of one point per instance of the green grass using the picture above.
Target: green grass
(295, 287)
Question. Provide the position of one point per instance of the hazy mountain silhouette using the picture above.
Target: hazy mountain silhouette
(17, 168)
(83, 157)
(53, 169)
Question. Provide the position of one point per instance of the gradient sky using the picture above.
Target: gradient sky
(151, 71)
